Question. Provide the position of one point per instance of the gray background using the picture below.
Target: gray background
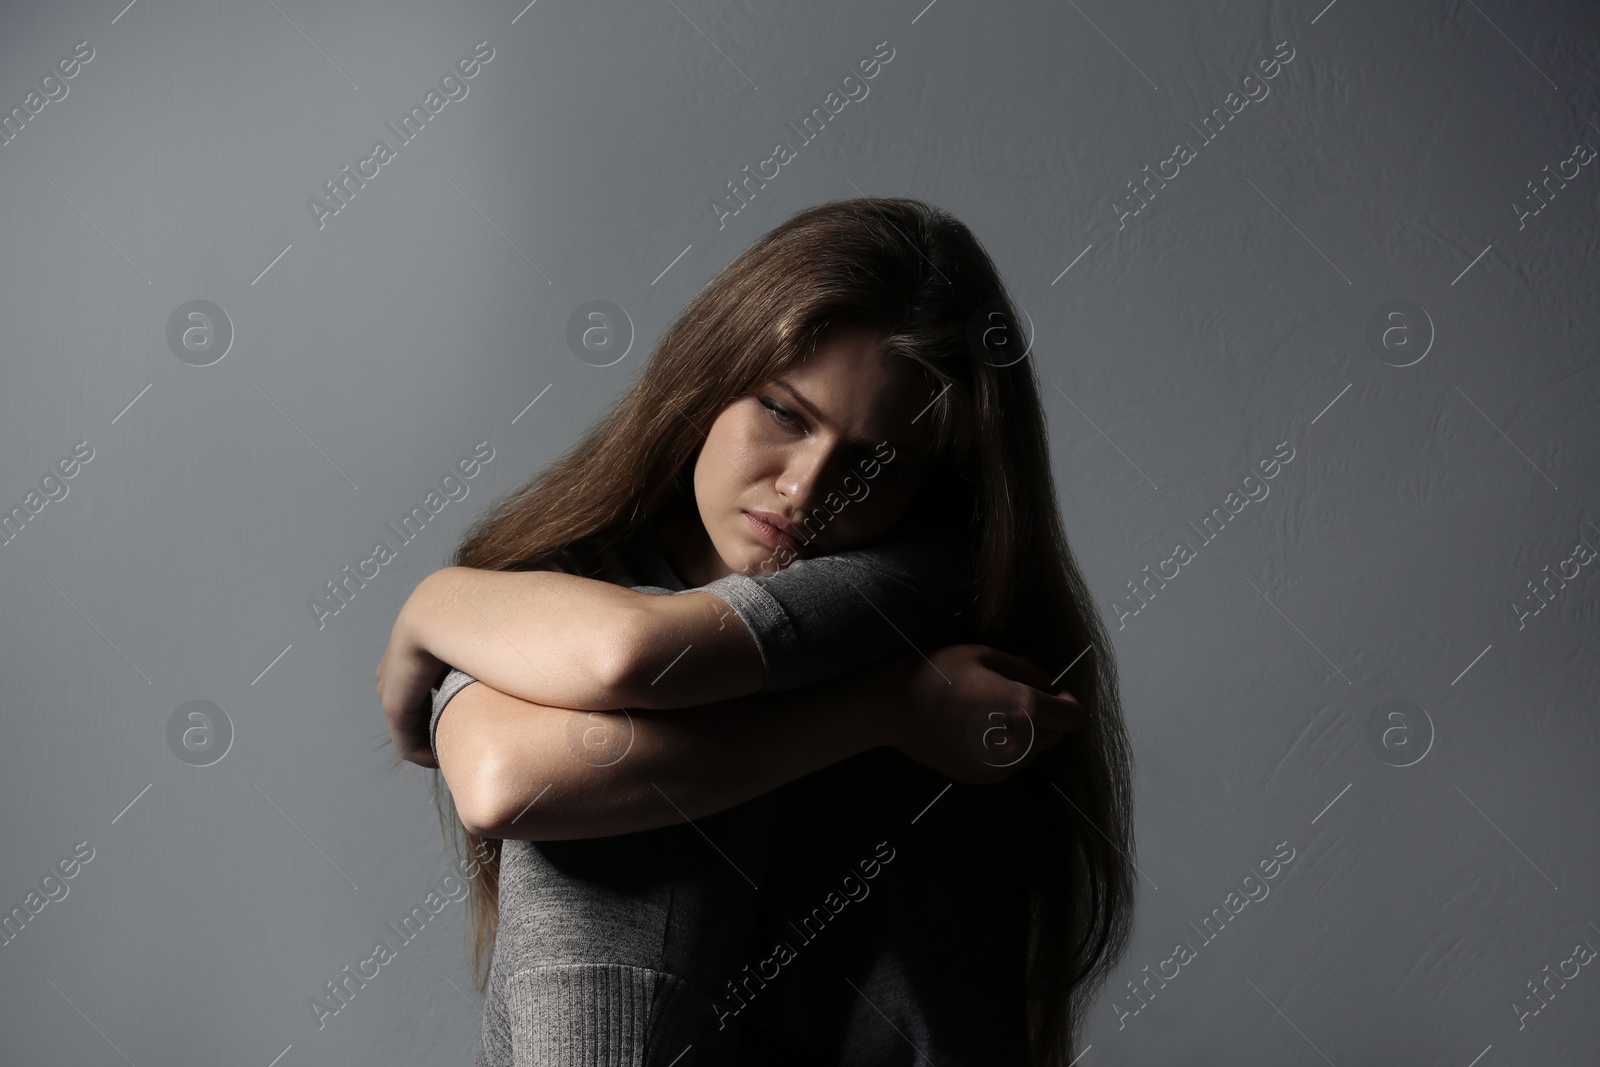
(1228, 316)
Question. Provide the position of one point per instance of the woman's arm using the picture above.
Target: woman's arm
(533, 772)
(526, 771)
(561, 639)
(602, 646)
(583, 643)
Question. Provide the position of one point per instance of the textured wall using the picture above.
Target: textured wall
(1373, 272)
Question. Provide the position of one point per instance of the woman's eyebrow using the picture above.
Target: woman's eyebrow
(811, 409)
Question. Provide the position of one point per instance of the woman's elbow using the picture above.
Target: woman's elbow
(495, 824)
(498, 785)
(480, 827)
(509, 815)
(475, 795)
(529, 772)
(470, 741)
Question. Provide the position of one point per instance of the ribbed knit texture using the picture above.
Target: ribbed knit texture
(601, 1015)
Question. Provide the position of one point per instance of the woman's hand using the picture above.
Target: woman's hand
(977, 713)
(407, 674)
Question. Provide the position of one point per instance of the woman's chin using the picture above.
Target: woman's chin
(757, 559)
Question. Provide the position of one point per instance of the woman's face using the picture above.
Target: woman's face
(829, 446)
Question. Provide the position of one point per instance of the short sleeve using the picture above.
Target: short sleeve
(824, 616)
(453, 683)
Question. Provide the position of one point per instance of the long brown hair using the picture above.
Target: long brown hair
(919, 277)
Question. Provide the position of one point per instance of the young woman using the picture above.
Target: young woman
(730, 651)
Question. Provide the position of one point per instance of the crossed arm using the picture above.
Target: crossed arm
(519, 770)
(515, 744)
(704, 728)
(559, 639)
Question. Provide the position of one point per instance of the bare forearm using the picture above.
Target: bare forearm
(572, 642)
(542, 636)
(533, 772)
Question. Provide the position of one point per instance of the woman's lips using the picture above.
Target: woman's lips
(771, 536)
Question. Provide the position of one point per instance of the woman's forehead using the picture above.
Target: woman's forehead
(863, 395)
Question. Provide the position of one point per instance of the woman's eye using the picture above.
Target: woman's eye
(781, 414)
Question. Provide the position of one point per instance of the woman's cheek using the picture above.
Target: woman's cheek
(738, 453)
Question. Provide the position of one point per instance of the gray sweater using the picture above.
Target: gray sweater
(828, 921)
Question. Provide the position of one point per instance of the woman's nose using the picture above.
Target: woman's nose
(804, 473)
